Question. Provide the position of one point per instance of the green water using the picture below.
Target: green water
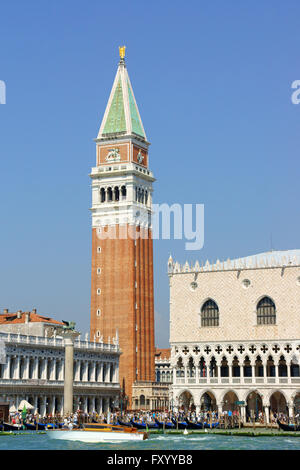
(32, 441)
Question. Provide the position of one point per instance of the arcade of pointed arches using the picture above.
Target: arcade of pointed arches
(248, 402)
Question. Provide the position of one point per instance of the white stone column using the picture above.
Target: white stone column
(17, 368)
(35, 403)
(106, 372)
(43, 410)
(197, 373)
(93, 372)
(265, 367)
(68, 374)
(291, 410)
(44, 369)
(35, 368)
(100, 372)
(253, 372)
(77, 371)
(85, 405)
(85, 371)
(267, 413)
(243, 413)
(7, 368)
(288, 366)
(230, 371)
(52, 405)
(93, 405)
(26, 369)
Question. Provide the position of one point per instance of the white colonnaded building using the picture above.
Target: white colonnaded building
(32, 366)
(235, 334)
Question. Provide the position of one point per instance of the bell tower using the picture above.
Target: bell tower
(122, 247)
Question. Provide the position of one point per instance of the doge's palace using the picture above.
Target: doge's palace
(235, 334)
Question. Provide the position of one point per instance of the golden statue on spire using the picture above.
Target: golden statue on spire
(122, 51)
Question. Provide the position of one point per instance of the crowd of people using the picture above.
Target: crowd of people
(78, 418)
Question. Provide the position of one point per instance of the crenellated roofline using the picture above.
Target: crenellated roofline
(271, 259)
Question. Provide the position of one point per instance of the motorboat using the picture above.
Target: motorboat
(98, 432)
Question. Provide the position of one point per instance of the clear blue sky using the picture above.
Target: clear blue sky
(213, 85)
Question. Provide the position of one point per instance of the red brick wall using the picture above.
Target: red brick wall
(118, 299)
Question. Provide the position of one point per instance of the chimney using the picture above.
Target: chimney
(27, 317)
(5, 311)
(19, 313)
(33, 310)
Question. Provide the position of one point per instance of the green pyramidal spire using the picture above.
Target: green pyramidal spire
(121, 116)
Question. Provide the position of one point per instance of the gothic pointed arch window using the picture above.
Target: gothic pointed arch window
(266, 312)
(210, 313)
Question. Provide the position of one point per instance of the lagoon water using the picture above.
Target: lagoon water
(33, 441)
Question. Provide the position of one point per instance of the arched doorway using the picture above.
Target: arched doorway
(254, 406)
(208, 402)
(278, 403)
(229, 401)
(186, 401)
(297, 406)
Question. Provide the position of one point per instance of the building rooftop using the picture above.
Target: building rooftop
(162, 353)
(7, 318)
(266, 259)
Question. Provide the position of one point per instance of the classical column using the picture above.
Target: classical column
(93, 405)
(86, 371)
(265, 371)
(52, 405)
(77, 371)
(35, 368)
(26, 369)
(253, 372)
(243, 413)
(35, 403)
(7, 368)
(17, 368)
(291, 410)
(43, 407)
(230, 371)
(276, 370)
(44, 368)
(288, 367)
(68, 373)
(197, 373)
(85, 405)
(93, 372)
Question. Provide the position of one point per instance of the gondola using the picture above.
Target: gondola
(166, 425)
(123, 423)
(194, 425)
(144, 425)
(210, 425)
(288, 427)
(12, 427)
(180, 424)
